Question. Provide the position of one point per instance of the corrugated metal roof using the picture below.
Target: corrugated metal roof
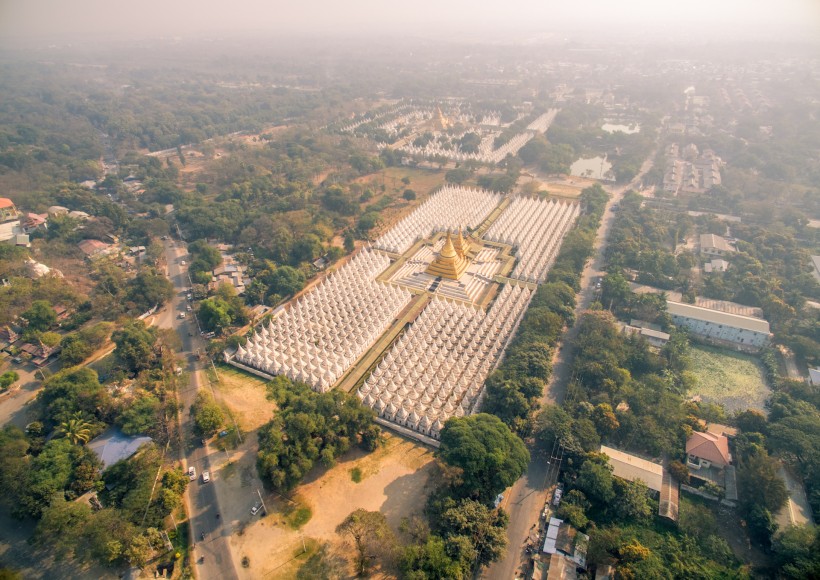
(631, 467)
(716, 317)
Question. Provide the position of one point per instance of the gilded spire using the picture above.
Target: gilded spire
(449, 263)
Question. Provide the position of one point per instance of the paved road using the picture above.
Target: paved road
(525, 500)
(201, 498)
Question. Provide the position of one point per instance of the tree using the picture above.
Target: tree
(409, 194)
(485, 528)
(432, 561)
(595, 479)
(759, 484)
(679, 471)
(149, 288)
(632, 500)
(370, 534)
(40, 316)
(796, 551)
(72, 390)
(76, 429)
(214, 314)
(489, 455)
(7, 379)
(208, 416)
(286, 281)
(62, 524)
(135, 346)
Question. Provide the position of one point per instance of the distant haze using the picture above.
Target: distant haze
(55, 21)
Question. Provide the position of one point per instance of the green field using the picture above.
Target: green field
(732, 379)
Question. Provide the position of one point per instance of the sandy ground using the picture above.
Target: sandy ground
(395, 480)
(245, 395)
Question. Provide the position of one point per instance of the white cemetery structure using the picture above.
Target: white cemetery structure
(416, 323)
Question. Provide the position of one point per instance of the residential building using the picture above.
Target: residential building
(10, 226)
(716, 265)
(713, 245)
(704, 450)
(564, 539)
(94, 248)
(655, 476)
(814, 377)
(721, 327)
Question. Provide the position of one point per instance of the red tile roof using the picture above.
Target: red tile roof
(709, 446)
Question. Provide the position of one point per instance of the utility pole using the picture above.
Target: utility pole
(264, 507)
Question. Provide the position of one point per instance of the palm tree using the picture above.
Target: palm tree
(76, 429)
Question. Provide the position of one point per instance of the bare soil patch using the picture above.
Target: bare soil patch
(245, 396)
(395, 479)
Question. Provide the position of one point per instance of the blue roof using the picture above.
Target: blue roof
(113, 446)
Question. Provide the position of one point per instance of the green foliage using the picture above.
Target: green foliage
(7, 379)
(370, 535)
(135, 346)
(76, 429)
(149, 288)
(796, 551)
(208, 416)
(141, 417)
(73, 390)
(309, 427)
(285, 281)
(490, 456)
(40, 316)
(223, 310)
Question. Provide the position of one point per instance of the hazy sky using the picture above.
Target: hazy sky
(58, 20)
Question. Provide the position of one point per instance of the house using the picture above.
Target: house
(57, 210)
(722, 327)
(32, 221)
(561, 568)
(564, 539)
(815, 260)
(79, 215)
(704, 450)
(655, 476)
(814, 377)
(716, 265)
(10, 226)
(94, 248)
(113, 446)
(631, 467)
(714, 245)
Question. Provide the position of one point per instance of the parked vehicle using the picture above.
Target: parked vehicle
(255, 509)
(206, 477)
(192, 473)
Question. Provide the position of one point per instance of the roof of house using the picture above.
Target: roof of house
(816, 261)
(716, 242)
(631, 467)
(709, 446)
(6, 202)
(651, 333)
(561, 568)
(114, 446)
(91, 247)
(717, 317)
(814, 376)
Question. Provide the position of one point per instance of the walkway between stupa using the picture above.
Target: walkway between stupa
(356, 374)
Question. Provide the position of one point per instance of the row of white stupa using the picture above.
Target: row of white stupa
(483, 155)
(436, 370)
(543, 122)
(448, 210)
(318, 337)
(536, 227)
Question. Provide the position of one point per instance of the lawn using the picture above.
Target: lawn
(734, 380)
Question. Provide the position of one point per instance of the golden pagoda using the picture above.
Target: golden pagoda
(461, 246)
(449, 263)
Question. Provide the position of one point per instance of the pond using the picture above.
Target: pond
(628, 129)
(594, 168)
